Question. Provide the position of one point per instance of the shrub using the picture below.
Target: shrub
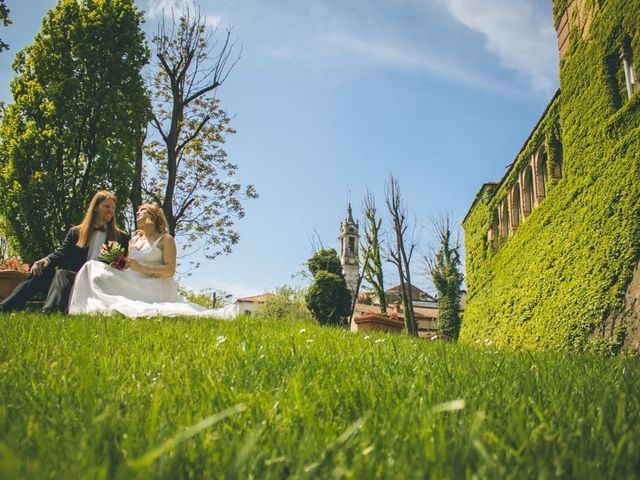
(325, 260)
(285, 302)
(329, 299)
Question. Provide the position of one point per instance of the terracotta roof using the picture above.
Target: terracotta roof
(255, 299)
(419, 312)
(416, 293)
(425, 312)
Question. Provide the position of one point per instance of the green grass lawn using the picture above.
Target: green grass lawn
(84, 397)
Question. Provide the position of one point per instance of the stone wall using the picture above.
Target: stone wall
(559, 274)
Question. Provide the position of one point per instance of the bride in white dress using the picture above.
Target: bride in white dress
(146, 287)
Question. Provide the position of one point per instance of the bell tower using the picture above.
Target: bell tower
(349, 242)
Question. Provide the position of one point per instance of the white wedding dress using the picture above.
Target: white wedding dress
(101, 289)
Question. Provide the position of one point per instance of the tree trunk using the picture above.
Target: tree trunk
(409, 314)
(400, 257)
(136, 184)
(354, 300)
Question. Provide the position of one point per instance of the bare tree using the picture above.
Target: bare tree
(315, 241)
(185, 169)
(372, 266)
(401, 254)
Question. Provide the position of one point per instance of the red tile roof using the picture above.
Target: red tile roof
(256, 298)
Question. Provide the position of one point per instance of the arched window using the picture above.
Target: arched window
(528, 198)
(557, 169)
(515, 206)
(626, 55)
(492, 234)
(542, 177)
(504, 221)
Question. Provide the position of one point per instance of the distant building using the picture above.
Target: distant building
(349, 245)
(553, 248)
(425, 306)
(250, 305)
(393, 295)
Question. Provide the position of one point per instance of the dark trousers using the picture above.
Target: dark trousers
(56, 284)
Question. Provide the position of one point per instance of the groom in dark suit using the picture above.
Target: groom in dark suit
(55, 273)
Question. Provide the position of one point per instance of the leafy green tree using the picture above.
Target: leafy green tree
(329, 299)
(444, 269)
(78, 112)
(4, 20)
(285, 302)
(373, 264)
(325, 260)
(183, 166)
(207, 298)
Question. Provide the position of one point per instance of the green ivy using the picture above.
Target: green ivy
(560, 6)
(567, 267)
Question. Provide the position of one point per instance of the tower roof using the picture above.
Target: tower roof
(349, 215)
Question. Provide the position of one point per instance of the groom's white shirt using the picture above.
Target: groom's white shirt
(97, 240)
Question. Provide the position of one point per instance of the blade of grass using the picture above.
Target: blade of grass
(149, 457)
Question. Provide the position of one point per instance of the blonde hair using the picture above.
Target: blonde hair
(157, 215)
(87, 225)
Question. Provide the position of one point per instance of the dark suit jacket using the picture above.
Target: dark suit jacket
(71, 257)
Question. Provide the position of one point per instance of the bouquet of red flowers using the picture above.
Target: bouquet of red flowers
(14, 264)
(112, 253)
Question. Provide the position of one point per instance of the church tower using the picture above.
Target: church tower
(349, 241)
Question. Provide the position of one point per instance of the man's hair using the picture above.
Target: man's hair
(88, 222)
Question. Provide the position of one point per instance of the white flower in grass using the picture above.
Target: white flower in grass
(310, 340)
(380, 340)
(367, 337)
(302, 330)
(368, 450)
(221, 340)
(487, 342)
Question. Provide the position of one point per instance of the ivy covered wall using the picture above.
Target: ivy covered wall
(555, 281)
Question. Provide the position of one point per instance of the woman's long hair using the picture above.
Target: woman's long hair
(87, 225)
(157, 215)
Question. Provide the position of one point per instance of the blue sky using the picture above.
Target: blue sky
(330, 97)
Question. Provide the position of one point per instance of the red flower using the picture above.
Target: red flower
(110, 252)
(120, 262)
(14, 264)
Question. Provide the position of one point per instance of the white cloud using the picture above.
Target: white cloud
(342, 39)
(521, 36)
(386, 54)
(154, 9)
